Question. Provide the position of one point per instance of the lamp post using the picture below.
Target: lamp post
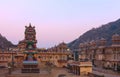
(86, 52)
(94, 54)
(115, 67)
(76, 55)
(2, 54)
(12, 61)
(9, 69)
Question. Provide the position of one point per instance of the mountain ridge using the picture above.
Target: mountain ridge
(4, 43)
(104, 31)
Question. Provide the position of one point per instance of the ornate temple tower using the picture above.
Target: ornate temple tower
(30, 36)
(30, 63)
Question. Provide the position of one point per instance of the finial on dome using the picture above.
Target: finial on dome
(30, 24)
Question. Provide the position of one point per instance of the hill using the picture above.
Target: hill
(105, 31)
(4, 43)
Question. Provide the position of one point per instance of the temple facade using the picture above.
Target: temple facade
(27, 54)
(58, 55)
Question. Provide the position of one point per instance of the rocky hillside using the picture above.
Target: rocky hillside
(4, 43)
(105, 31)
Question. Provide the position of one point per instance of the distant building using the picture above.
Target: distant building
(102, 55)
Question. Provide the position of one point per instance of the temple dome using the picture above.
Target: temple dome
(115, 37)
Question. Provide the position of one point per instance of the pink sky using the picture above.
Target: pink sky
(55, 21)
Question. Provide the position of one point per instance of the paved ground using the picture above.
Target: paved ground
(55, 72)
(3, 72)
(106, 73)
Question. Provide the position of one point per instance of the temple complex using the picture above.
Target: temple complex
(56, 56)
(102, 55)
(27, 56)
(29, 59)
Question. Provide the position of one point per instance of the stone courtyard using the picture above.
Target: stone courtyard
(55, 72)
(51, 72)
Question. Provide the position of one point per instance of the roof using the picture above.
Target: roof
(30, 62)
(77, 63)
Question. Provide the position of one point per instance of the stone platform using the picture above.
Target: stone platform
(30, 67)
(44, 73)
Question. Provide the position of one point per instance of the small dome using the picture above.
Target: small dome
(93, 42)
(115, 37)
(103, 39)
(81, 45)
(62, 45)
